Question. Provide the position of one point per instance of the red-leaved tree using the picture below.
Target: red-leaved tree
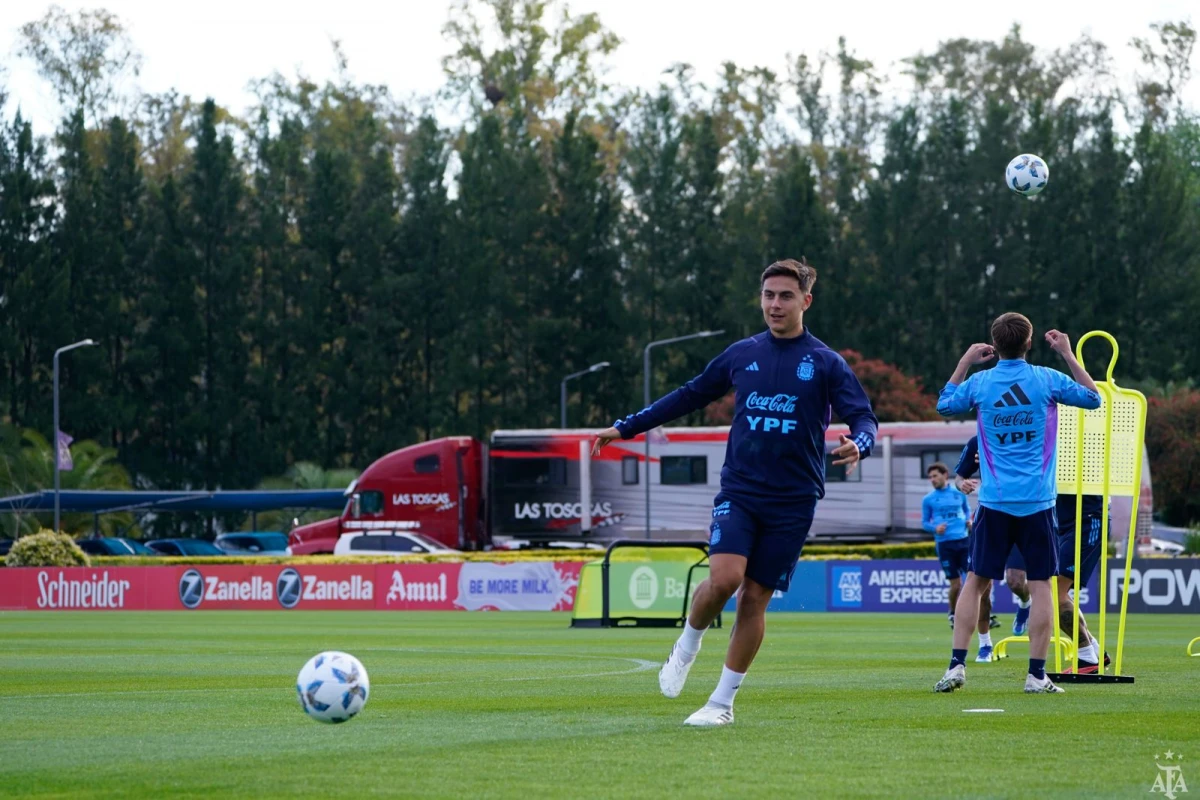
(1173, 445)
(896, 397)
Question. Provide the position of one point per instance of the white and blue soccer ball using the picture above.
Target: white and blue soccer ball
(333, 687)
(1027, 174)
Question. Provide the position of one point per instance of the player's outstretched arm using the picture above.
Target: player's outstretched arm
(710, 385)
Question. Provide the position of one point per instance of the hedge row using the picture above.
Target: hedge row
(498, 556)
(815, 552)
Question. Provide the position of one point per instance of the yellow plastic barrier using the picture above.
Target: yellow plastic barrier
(1100, 452)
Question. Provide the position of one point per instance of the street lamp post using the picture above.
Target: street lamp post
(562, 393)
(57, 353)
(646, 392)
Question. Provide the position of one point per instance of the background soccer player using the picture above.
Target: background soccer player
(946, 514)
(1017, 405)
(1089, 556)
(1014, 567)
(786, 383)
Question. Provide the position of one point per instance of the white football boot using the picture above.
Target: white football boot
(710, 716)
(1044, 686)
(674, 672)
(955, 678)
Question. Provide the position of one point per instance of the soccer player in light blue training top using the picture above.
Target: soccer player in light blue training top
(946, 513)
(787, 382)
(1017, 409)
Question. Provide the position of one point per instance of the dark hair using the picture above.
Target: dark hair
(1010, 334)
(804, 274)
(937, 466)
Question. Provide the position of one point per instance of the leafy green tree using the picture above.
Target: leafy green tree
(33, 289)
(84, 56)
(27, 466)
(303, 475)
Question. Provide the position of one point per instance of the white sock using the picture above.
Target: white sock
(1023, 603)
(1088, 653)
(727, 687)
(985, 639)
(689, 640)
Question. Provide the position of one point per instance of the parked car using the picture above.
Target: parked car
(1166, 547)
(113, 546)
(5, 546)
(184, 547)
(387, 543)
(253, 543)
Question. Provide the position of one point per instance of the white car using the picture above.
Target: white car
(387, 543)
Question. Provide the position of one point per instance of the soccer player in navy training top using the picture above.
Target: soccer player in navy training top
(786, 382)
(1017, 408)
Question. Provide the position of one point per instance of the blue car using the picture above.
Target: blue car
(184, 547)
(113, 546)
(253, 543)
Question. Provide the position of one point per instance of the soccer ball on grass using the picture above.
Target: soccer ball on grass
(333, 687)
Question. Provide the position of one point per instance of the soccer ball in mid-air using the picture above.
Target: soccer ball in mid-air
(333, 687)
(1027, 174)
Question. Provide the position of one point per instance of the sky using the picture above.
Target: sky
(216, 47)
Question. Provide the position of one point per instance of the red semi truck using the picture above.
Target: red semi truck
(536, 484)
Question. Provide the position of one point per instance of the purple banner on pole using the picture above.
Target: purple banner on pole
(911, 586)
(65, 464)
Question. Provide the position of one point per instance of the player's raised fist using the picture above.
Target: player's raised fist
(1059, 342)
(979, 353)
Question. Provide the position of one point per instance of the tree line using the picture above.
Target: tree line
(336, 273)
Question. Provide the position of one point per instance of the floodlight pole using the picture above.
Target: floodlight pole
(562, 389)
(54, 439)
(646, 398)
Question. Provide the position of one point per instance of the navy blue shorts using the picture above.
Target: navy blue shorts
(1014, 560)
(770, 534)
(1089, 550)
(954, 555)
(997, 533)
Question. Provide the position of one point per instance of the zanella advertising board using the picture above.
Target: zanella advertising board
(530, 586)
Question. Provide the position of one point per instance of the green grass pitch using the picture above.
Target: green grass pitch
(519, 705)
